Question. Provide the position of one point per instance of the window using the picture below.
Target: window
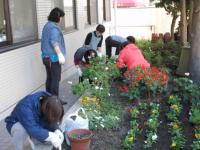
(70, 14)
(86, 11)
(93, 11)
(23, 20)
(18, 16)
(3, 36)
(106, 10)
(69, 7)
(90, 11)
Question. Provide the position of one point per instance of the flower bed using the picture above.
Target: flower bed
(147, 124)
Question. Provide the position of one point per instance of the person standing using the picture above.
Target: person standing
(36, 118)
(117, 42)
(94, 39)
(53, 50)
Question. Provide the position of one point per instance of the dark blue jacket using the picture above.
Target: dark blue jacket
(27, 112)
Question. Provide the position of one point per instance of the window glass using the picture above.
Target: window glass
(23, 20)
(69, 8)
(3, 37)
(86, 11)
(93, 11)
(106, 10)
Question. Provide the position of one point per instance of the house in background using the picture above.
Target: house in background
(140, 18)
(21, 23)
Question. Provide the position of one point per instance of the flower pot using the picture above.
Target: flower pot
(80, 139)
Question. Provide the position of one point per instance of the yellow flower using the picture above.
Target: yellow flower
(130, 139)
(175, 126)
(154, 111)
(197, 135)
(173, 145)
(175, 107)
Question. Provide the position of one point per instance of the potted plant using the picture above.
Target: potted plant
(80, 139)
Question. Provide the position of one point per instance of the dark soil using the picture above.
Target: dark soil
(111, 140)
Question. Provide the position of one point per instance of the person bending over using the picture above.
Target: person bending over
(36, 117)
(131, 57)
(117, 42)
(82, 58)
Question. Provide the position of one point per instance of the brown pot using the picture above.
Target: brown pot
(77, 142)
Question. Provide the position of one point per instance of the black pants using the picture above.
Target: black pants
(53, 70)
(111, 43)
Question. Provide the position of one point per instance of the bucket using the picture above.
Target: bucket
(80, 139)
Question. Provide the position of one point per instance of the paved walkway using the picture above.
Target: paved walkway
(65, 95)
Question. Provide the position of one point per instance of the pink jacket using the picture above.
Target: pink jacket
(132, 57)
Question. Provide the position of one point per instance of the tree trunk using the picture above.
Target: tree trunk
(195, 58)
(173, 25)
(183, 23)
(190, 21)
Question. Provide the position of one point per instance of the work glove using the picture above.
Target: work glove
(99, 54)
(54, 139)
(80, 73)
(61, 58)
(60, 135)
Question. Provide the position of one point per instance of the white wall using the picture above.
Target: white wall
(142, 22)
(22, 71)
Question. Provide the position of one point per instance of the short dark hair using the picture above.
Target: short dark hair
(52, 110)
(131, 39)
(55, 15)
(100, 28)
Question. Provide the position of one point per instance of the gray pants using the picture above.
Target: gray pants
(22, 140)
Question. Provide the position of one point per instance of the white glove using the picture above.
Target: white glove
(79, 72)
(60, 135)
(99, 54)
(54, 139)
(61, 58)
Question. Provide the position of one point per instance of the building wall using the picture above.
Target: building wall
(22, 71)
(142, 22)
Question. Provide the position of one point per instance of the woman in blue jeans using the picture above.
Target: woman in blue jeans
(53, 50)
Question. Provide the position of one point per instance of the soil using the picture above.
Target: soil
(111, 140)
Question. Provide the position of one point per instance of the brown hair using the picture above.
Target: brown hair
(131, 39)
(52, 110)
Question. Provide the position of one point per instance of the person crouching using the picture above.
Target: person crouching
(82, 58)
(36, 117)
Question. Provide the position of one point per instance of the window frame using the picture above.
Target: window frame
(8, 45)
(74, 27)
(90, 17)
(89, 21)
(8, 25)
(106, 15)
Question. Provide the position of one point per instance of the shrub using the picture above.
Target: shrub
(140, 80)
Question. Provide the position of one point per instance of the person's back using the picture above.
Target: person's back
(79, 54)
(118, 38)
(131, 56)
